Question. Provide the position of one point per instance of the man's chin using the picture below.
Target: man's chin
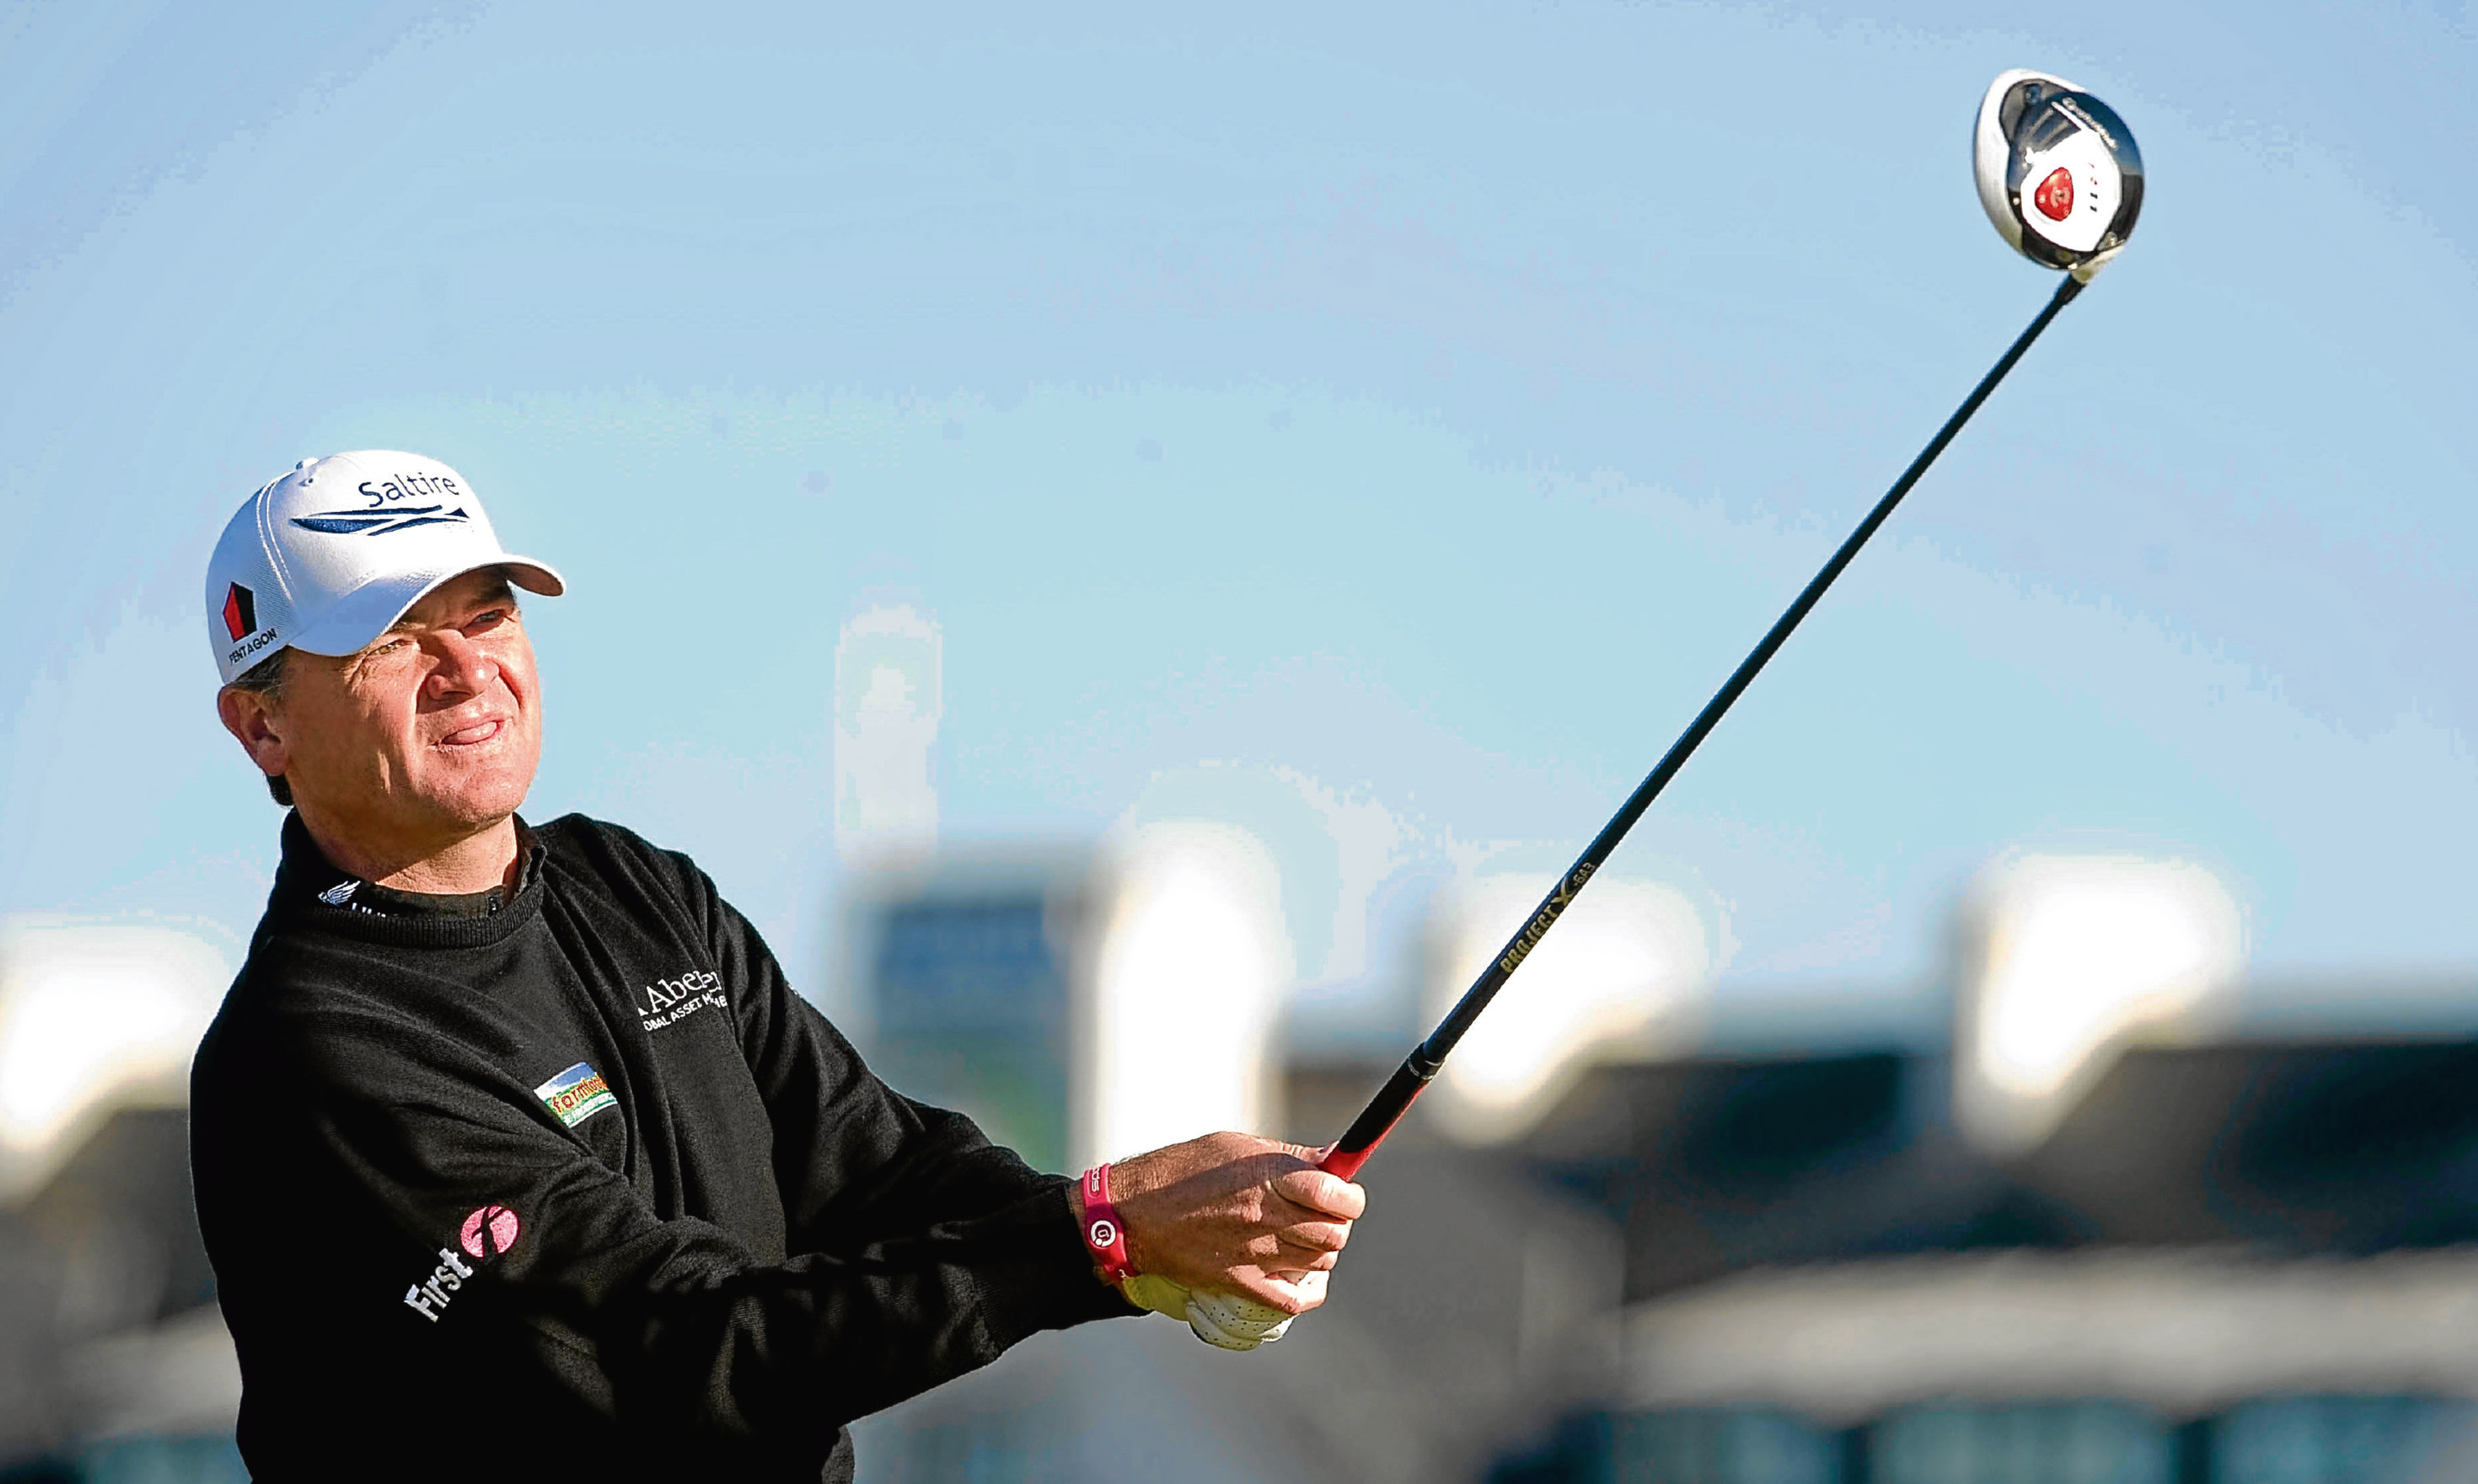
(481, 799)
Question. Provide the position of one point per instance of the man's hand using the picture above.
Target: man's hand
(1235, 1214)
(1224, 1321)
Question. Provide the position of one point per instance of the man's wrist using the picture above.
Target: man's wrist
(1105, 1236)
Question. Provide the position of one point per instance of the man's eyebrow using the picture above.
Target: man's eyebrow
(499, 594)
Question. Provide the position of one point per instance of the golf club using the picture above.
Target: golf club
(2077, 161)
(2082, 176)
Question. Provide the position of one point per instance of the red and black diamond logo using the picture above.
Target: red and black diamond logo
(241, 612)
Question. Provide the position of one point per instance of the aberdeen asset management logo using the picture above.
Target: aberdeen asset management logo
(667, 1002)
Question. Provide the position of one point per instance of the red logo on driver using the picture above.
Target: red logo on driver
(489, 1231)
(2055, 197)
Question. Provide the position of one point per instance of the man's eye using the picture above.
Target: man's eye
(488, 620)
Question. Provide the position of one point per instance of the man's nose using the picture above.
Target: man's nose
(464, 667)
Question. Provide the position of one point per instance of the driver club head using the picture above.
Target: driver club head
(2057, 171)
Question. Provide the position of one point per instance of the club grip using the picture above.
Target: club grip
(1334, 1162)
(1345, 1155)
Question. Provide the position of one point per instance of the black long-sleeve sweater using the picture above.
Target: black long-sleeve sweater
(580, 1182)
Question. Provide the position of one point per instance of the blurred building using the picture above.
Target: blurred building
(2112, 1226)
(114, 1363)
(2251, 1260)
(889, 693)
(2102, 1217)
(967, 971)
(1063, 999)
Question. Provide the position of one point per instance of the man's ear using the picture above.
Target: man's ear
(257, 726)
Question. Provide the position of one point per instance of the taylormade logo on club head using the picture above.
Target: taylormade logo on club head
(2057, 171)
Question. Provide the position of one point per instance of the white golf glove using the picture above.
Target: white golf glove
(1228, 1322)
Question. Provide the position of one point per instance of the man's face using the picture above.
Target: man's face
(432, 732)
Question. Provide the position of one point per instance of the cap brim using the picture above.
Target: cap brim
(359, 617)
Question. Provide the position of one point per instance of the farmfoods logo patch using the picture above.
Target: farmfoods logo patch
(576, 1095)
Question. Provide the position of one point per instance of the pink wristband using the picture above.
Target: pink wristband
(1105, 1237)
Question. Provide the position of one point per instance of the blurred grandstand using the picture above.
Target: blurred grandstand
(2094, 1208)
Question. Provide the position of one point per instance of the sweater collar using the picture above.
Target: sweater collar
(311, 887)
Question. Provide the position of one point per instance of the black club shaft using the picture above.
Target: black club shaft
(1395, 1097)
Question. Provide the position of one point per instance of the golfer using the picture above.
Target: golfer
(515, 1150)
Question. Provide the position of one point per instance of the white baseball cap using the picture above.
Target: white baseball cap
(327, 557)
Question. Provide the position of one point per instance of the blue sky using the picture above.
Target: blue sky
(1381, 428)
